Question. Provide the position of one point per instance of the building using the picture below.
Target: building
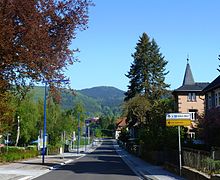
(189, 97)
(211, 122)
(212, 95)
(120, 124)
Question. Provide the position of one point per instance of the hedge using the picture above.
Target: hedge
(16, 153)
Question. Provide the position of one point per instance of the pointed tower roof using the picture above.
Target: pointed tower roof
(189, 85)
(188, 77)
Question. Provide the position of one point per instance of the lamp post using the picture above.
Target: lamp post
(45, 119)
(78, 142)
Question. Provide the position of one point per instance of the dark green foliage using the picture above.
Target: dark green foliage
(136, 109)
(147, 72)
(147, 99)
(108, 96)
(68, 100)
(14, 154)
(153, 132)
(124, 135)
(107, 126)
(213, 166)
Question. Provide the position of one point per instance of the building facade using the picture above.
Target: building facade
(212, 95)
(189, 97)
(211, 123)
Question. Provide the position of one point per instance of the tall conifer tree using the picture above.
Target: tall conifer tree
(147, 72)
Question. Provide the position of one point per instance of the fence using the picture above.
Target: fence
(197, 159)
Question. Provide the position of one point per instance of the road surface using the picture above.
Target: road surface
(102, 164)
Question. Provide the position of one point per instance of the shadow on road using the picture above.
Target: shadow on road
(104, 160)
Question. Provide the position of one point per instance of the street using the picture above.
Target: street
(103, 163)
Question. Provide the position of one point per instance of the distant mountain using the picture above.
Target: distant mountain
(108, 96)
(97, 100)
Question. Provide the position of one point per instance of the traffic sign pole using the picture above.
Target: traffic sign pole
(178, 119)
(180, 156)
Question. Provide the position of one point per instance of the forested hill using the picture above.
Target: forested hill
(99, 100)
(108, 96)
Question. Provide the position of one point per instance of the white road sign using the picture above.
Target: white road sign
(178, 116)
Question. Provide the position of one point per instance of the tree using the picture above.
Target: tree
(146, 100)
(34, 39)
(79, 114)
(147, 72)
(28, 116)
(136, 109)
(7, 110)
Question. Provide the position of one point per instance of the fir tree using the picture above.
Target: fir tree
(147, 72)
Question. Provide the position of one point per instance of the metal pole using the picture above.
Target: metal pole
(7, 139)
(45, 104)
(85, 137)
(64, 142)
(78, 144)
(180, 157)
(88, 135)
(44, 132)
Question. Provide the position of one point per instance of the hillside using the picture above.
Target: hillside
(108, 96)
(98, 100)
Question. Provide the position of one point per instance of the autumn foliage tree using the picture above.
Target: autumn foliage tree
(34, 42)
(34, 39)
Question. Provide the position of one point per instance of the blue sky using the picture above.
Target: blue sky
(180, 28)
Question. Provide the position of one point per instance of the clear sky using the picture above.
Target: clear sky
(180, 28)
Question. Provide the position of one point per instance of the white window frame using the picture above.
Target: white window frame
(191, 97)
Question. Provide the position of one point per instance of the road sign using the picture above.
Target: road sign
(178, 119)
(182, 122)
(87, 122)
(178, 116)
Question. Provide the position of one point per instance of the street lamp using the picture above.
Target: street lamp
(45, 122)
(78, 143)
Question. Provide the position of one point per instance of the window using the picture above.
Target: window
(193, 113)
(219, 99)
(209, 102)
(191, 97)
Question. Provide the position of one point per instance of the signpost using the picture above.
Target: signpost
(87, 133)
(178, 119)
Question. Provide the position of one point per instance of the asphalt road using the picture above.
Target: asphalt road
(102, 164)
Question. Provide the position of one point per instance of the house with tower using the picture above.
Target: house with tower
(189, 96)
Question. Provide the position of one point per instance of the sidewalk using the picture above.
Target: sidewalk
(144, 169)
(32, 168)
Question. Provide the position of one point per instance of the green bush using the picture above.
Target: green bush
(213, 166)
(17, 153)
